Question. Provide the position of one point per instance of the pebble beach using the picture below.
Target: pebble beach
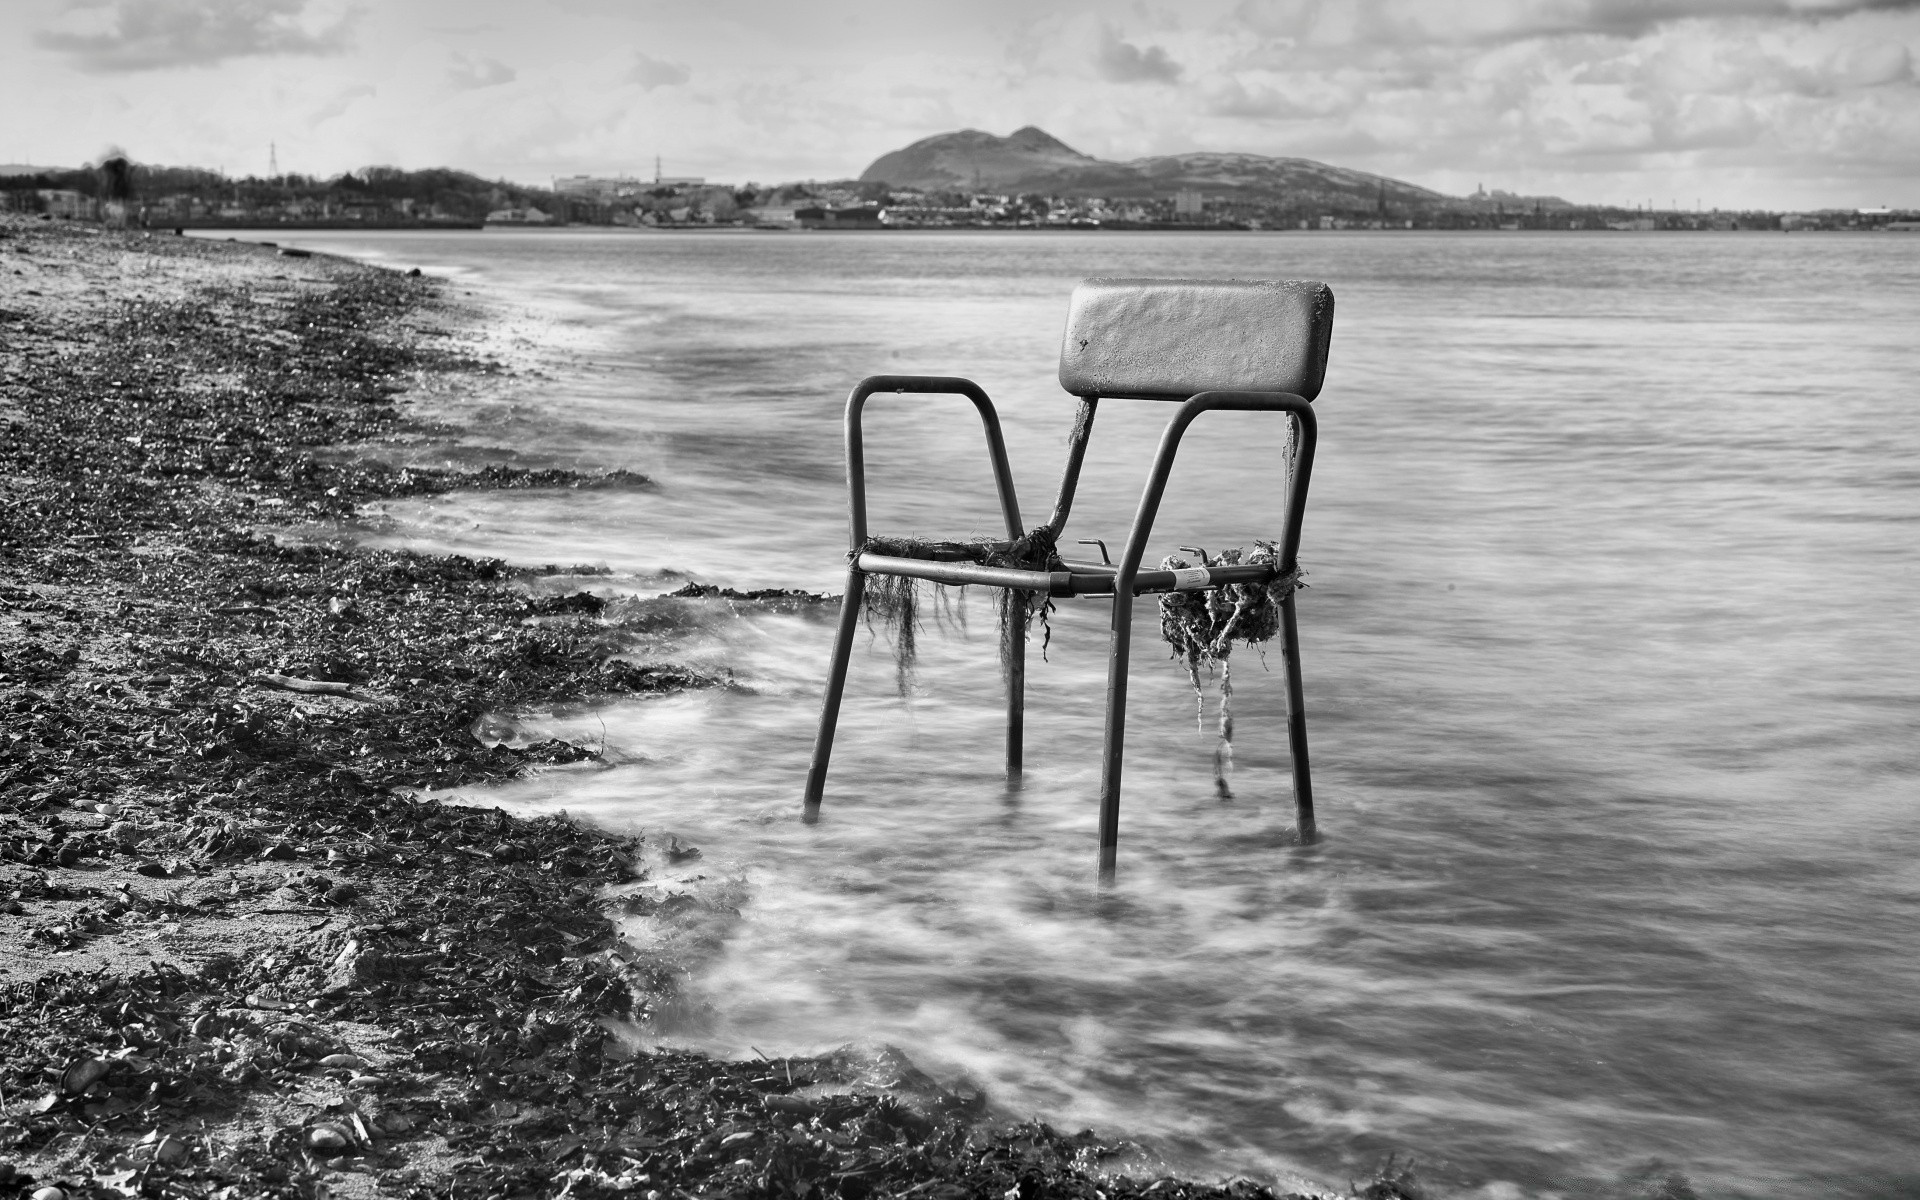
(246, 951)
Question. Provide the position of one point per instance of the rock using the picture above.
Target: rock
(82, 1074)
(49, 1193)
(328, 1139)
(357, 966)
(343, 1061)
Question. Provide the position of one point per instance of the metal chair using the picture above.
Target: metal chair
(1208, 345)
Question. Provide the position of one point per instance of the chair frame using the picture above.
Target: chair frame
(1123, 581)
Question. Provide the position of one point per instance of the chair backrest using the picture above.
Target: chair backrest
(1166, 339)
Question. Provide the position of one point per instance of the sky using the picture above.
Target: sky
(1776, 104)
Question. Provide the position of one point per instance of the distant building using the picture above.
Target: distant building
(906, 215)
(1188, 202)
(518, 216)
(68, 205)
(601, 188)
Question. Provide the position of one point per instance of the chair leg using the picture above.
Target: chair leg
(836, 684)
(1297, 725)
(1116, 733)
(1016, 681)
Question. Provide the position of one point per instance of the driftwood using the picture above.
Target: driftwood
(324, 687)
(243, 610)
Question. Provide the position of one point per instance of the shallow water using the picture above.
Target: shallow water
(1610, 676)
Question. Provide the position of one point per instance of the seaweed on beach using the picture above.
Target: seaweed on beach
(248, 951)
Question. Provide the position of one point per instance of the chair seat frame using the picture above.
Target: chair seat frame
(1123, 581)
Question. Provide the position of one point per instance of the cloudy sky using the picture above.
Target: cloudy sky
(1732, 103)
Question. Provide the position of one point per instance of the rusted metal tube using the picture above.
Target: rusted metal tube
(1057, 583)
(1126, 576)
(856, 577)
(928, 385)
(1081, 580)
(1076, 455)
(1119, 646)
(1297, 725)
(1016, 682)
(1098, 582)
(969, 552)
(836, 685)
(1296, 500)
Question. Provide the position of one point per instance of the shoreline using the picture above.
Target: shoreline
(240, 950)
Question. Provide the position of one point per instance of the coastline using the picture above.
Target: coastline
(240, 952)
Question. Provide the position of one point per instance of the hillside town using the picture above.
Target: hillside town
(119, 193)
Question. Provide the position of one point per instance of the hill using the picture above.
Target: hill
(973, 159)
(1032, 160)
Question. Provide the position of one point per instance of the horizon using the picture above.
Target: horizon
(1730, 104)
(1649, 206)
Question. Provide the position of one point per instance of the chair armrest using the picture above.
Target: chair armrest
(1302, 412)
(941, 385)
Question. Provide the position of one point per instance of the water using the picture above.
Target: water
(1610, 671)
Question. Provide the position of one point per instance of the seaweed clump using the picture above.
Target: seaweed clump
(894, 600)
(1202, 628)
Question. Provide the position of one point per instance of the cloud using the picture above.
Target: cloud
(651, 73)
(1636, 18)
(107, 36)
(1879, 64)
(341, 102)
(1385, 23)
(468, 73)
(1753, 101)
(1263, 102)
(1123, 62)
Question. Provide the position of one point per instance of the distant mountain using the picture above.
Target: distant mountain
(1032, 160)
(971, 158)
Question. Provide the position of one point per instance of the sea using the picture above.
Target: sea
(1612, 661)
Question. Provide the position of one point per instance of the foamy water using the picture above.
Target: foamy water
(1610, 679)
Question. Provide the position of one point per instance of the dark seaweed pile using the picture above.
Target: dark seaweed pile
(208, 744)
